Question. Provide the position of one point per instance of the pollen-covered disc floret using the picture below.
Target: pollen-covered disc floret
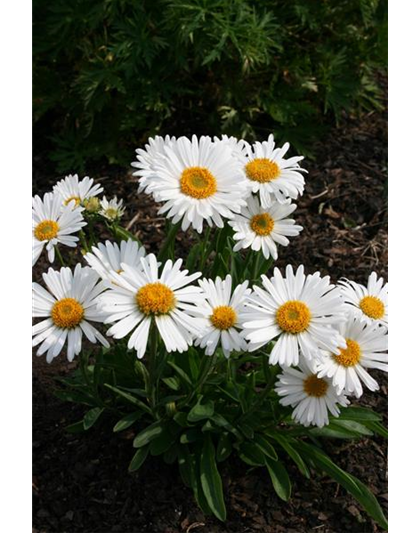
(298, 311)
(350, 355)
(293, 317)
(52, 225)
(68, 308)
(223, 317)
(262, 169)
(222, 311)
(366, 347)
(67, 313)
(262, 224)
(369, 303)
(198, 180)
(269, 174)
(155, 299)
(312, 397)
(141, 296)
(264, 228)
(74, 192)
(107, 258)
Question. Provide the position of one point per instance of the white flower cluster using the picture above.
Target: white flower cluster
(324, 337)
(60, 214)
(201, 179)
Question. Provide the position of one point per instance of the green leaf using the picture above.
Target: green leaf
(192, 257)
(148, 434)
(189, 467)
(163, 441)
(342, 429)
(181, 419)
(377, 428)
(265, 446)
(251, 454)
(172, 382)
(221, 421)
(201, 411)
(353, 485)
(211, 481)
(125, 235)
(224, 447)
(289, 446)
(191, 435)
(170, 455)
(77, 427)
(279, 478)
(358, 414)
(75, 396)
(351, 425)
(138, 459)
(92, 416)
(130, 398)
(127, 421)
(181, 373)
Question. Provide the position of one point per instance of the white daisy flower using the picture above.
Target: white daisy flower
(140, 296)
(198, 180)
(72, 190)
(222, 312)
(270, 175)
(369, 303)
(263, 228)
(70, 306)
(311, 396)
(51, 224)
(113, 209)
(238, 146)
(107, 258)
(366, 348)
(146, 158)
(298, 311)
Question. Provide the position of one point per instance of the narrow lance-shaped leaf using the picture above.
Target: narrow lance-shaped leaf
(211, 481)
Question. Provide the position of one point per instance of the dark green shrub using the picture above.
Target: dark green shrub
(109, 73)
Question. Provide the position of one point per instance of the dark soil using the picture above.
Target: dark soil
(81, 483)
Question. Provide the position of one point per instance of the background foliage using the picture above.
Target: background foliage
(109, 73)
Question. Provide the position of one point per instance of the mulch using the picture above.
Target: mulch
(81, 483)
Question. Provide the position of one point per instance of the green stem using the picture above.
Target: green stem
(83, 240)
(266, 391)
(163, 254)
(206, 371)
(151, 386)
(256, 266)
(60, 257)
(205, 253)
(245, 271)
(92, 238)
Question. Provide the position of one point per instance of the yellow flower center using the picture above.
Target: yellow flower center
(349, 356)
(262, 224)
(112, 213)
(67, 313)
(262, 169)
(372, 306)
(223, 317)
(293, 317)
(91, 204)
(198, 182)
(46, 230)
(75, 198)
(315, 386)
(155, 299)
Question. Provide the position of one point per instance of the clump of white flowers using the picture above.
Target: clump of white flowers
(308, 343)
